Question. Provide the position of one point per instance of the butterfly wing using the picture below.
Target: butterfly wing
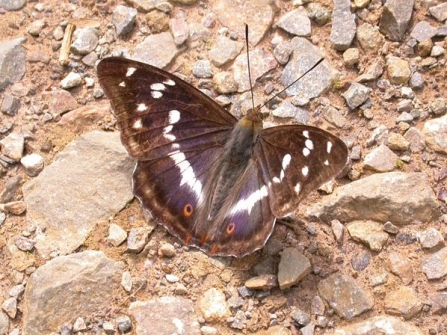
(295, 160)
(175, 131)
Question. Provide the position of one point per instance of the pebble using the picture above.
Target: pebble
(439, 12)
(24, 244)
(213, 305)
(431, 238)
(262, 282)
(10, 105)
(424, 48)
(377, 280)
(123, 19)
(85, 40)
(437, 51)
(4, 323)
(361, 261)
(395, 18)
(202, 69)
(224, 82)
(390, 228)
(403, 302)
(36, 27)
(438, 106)
(108, 327)
(13, 5)
(10, 307)
(435, 134)
(73, 79)
(381, 159)
(157, 21)
(398, 70)
(300, 316)
(179, 30)
(292, 267)
(33, 164)
(399, 265)
(13, 145)
(124, 324)
(343, 28)
(338, 229)
(396, 141)
(369, 233)
(17, 291)
(171, 278)
(423, 31)
(438, 302)
(79, 325)
(351, 57)
(356, 95)
(416, 139)
(404, 105)
(180, 289)
(282, 52)
(126, 281)
(117, 235)
(296, 22)
(137, 239)
(435, 265)
(369, 38)
(224, 50)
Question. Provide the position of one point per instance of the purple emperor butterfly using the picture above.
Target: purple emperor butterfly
(213, 181)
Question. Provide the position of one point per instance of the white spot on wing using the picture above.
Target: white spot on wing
(174, 116)
(188, 176)
(305, 171)
(141, 107)
(276, 180)
(167, 133)
(248, 203)
(297, 188)
(326, 162)
(130, 71)
(309, 144)
(286, 161)
(306, 134)
(158, 87)
(329, 147)
(156, 94)
(169, 82)
(137, 124)
(122, 84)
(306, 152)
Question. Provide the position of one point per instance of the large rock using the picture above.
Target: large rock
(401, 198)
(89, 181)
(381, 324)
(68, 286)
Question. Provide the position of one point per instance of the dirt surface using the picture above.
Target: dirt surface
(313, 239)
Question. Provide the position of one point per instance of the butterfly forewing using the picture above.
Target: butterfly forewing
(157, 112)
(295, 161)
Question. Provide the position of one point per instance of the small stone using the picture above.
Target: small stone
(263, 282)
(381, 159)
(361, 261)
(395, 18)
(438, 301)
(417, 81)
(213, 305)
(13, 145)
(137, 239)
(108, 327)
(435, 134)
(13, 5)
(356, 95)
(117, 235)
(296, 22)
(424, 48)
(123, 19)
(36, 27)
(431, 238)
(24, 244)
(224, 83)
(224, 50)
(437, 51)
(33, 164)
(300, 316)
(126, 281)
(390, 228)
(438, 106)
(369, 233)
(157, 21)
(404, 105)
(343, 25)
(416, 139)
(85, 40)
(400, 266)
(292, 267)
(10, 105)
(73, 79)
(124, 324)
(397, 142)
(338, 230)
(207, 330)
(167, 250)
(10, 307)
(202, 69)
(179, 30)
(435, 265)
(398, 70)
(403, 302)
(423, 31)
(378, 280)
(14, 207)
(351, 57)
(79, 325)
(369, 38)
(180, 289)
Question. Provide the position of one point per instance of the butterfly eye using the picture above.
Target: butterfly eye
(187, 210)
(230, 228)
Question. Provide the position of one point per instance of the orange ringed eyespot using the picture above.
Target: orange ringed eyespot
(231, 227)
(187, 210)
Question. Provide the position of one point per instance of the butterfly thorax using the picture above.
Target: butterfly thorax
(233, 163)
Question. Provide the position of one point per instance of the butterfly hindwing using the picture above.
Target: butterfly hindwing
(295, 161)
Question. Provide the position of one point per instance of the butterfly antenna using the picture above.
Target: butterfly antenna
(313, 67)
(248, 65)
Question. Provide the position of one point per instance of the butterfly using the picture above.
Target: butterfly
(215, 182)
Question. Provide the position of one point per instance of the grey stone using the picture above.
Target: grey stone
(126, 281)
(143, 5)
(89, 181)
(94, 279)
(296, 22)
(10, 307)
(381, 159)
(292, 268)
(380, 197)
(404, 105)
(85, 40)
(395, 18)
(318, 13)
(9, 188)
(36, 27)
(361, 260)
(333, 115)
(373, 72)
(10, 105)
(356, 95)
(430, 238)
(382, 324)
(300, 316)
(137, 239)
(159, 57)
(4, 323)
(73, 79)
(257, 14)
(12, 61)
(79, 325)
(24, 244)
(345, 296)
(435, 134)
(438, 302)
(12, 5)
(261, 62)
(202, 69)
(224, 50)
(286, 110)
(33, 164)
(416, 140)
(304, 56)
(282, 52)
(60, 101)
(442, 31)
(343, 25)
(123, 19)
(117, 235)
(423, 31)
(179, 30)
(124, 324)
(438, 106)
(435, 265)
